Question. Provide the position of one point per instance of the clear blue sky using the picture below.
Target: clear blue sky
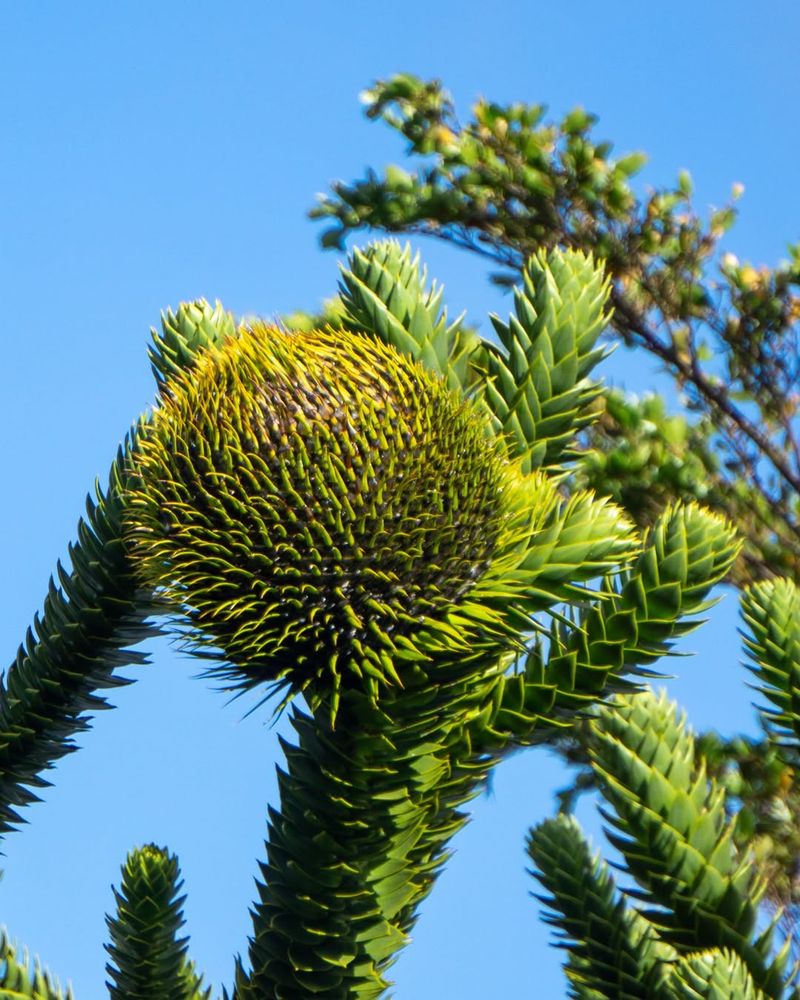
(153, 152)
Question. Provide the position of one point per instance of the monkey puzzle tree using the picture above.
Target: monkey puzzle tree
(370, 523)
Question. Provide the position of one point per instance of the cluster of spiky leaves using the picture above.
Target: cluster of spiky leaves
(397, 770)
(326, 508)
(758, 775)
(762, 773)
(658, 601)
(771, 610)
(537, 388)
(340, 894)
(623, 634)
(718, 974)
(148, 959)
(184, 335)
(387, 787)
(415, 749)
(696, 893)
(613, 950)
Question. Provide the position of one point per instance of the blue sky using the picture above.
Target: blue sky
(156, 152)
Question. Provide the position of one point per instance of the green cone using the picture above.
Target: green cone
(319, 504)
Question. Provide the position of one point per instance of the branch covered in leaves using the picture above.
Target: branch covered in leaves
(148, 959)
(94, 613)
(696, 892)
(623, 634)
(612, 949)
(72, 651)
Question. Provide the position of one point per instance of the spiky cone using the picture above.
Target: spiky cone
(328, 513)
